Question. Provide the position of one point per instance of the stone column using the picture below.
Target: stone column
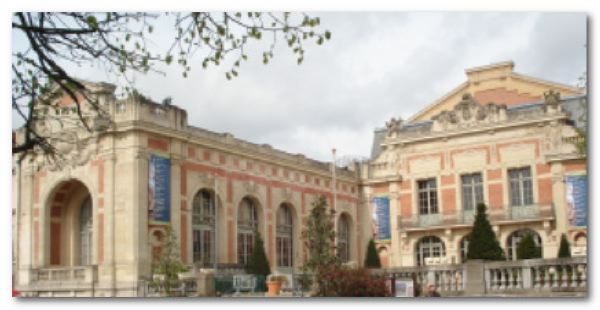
(140, 214)
(394, 253)
(175, 203)
(108, 271)
(25, 234)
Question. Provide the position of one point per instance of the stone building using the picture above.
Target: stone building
(90, 223)
(500, 138)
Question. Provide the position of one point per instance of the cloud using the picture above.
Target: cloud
(377, 65)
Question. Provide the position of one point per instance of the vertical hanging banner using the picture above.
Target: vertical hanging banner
(381, 218)
(577, 200)
(159, 190)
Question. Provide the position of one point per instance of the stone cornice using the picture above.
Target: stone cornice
(234, 146)
(471, 130)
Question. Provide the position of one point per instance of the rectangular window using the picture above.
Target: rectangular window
(472, 190)
(427, 196)
(521, 187)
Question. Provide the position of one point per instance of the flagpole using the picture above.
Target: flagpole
(215, 247)
(334, 180)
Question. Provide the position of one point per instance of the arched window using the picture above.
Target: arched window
(203, 227)
(85, 232)
(513, 242)
(284, 236)
(343, 238)
(247, 226)
(430, 246)
(580, 240)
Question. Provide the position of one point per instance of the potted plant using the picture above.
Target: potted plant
(274, 283)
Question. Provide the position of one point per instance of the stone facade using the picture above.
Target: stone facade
(110, 166)
(469, 139)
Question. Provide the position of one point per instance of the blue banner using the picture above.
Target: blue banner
(577, 200)
(381, 218)
(159, 190)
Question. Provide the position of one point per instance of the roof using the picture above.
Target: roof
(496, 83)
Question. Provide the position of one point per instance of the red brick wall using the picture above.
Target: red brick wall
(496, 195)
(406, 205)
(158, 145)
(495, 174)
(448, 179)
(545, 190)
(449, 200)
(501, 95)
(542, 168)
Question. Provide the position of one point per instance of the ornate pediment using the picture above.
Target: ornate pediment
(468, 113)
(72, 149)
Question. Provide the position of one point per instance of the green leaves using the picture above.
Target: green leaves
(92, 22)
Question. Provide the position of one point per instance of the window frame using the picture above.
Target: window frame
(427, 199)
(520, 185)
(472, 192)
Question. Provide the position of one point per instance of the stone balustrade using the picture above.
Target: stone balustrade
(532, 277)
(461, 217)
(537, 274)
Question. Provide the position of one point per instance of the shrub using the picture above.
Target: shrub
(527, 248)
(482, 240)
(258, 264)
(565, 248)
(372, 258)
(343, 282)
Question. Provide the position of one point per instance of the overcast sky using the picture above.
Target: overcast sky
(376, 66)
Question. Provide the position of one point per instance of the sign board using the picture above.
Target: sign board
(577, 200)
(381, 218)
(159, 190)
(404, 288)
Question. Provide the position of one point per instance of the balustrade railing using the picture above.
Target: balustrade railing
(85, 274)
(462, 217)
(521, 277)
(554, 274)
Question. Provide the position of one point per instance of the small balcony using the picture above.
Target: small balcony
(71, 278)
(461, 217)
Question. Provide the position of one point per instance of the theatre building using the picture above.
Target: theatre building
(91, 222)
(500, 138)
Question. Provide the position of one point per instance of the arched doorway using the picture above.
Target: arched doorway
(512, 243)
(70, 222)
(430, 246)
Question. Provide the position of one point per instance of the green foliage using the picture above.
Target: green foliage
(319, 241)
(342, 282)
(526, 249)
(372, 258)
(482, 240)
(166, 270)
(258, 264)
(564, 251)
